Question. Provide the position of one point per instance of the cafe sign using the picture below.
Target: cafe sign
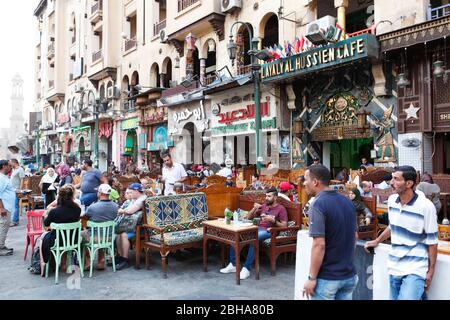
(342, 52)
(129, 124)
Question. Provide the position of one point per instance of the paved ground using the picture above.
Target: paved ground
(186, 280)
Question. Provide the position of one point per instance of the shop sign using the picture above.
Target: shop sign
(244, 127)
(444, 116)
(199, 114)
(160, 141)
(349, 50)
(105, 130)
(129, 124)
(243, 114)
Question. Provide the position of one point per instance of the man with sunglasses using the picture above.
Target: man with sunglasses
(172, 173)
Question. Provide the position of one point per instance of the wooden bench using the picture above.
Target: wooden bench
(283, 240)
(370, 231)
(171, 223)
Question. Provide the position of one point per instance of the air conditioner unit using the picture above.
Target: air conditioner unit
(163, 36)
(113, 93)
(316, 30)
(230, 5)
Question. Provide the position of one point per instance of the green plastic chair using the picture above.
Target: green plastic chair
(102, 236)
(69, 234)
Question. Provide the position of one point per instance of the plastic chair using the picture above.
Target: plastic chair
(34, 229)
(101, 236)
(69, 234)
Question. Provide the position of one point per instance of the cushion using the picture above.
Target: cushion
(283, 234)
(179, 237)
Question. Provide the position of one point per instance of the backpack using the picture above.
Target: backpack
(35, 266)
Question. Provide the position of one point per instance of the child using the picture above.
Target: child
(366, 187)
(364, 216)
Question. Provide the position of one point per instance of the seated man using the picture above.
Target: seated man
(102, 211)
(272, 214)
(229, 182)
(286, 191)
(137, 197)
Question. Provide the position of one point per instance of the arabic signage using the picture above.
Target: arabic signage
(129, 124)
(197, 113)
(160, 140)
(155, 115)
(346, 51)
(105, 129)
(238, 118)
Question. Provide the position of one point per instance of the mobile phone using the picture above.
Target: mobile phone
(371, 250)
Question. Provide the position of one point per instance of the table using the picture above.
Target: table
(237, 237)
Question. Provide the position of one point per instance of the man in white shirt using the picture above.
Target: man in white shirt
(16, 177)
(172, 173)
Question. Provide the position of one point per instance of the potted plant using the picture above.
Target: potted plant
(228, 216)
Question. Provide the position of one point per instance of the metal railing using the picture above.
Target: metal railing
(244, 70)
(97, 55)
(98, 6)
(439, 12)
(183, 4)
(209, 79)
(130, 44)
(157, 27)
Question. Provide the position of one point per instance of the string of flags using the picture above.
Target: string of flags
(302, 44)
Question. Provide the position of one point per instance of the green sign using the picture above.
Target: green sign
(128, 124)
(346, 51)
(248, 127)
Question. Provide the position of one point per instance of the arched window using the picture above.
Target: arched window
(243, 43)
(102, 92)
(270, 35)
(125, 86)
(154, 75)
(134, 82)
(167, 71)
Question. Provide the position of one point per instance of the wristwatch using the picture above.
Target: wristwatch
(311, 278)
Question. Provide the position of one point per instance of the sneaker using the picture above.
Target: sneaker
(117, 259)
(123, 265)
(6, 252)
(245, 273)
(13, 224)
(228, 269)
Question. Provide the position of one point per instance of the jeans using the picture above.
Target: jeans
(410, 287)
(88, 198)
(335, 289)
(16, 214)
(263, 234)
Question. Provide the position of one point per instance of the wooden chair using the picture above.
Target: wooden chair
(35, 198)
(215, 179)
(283, 240)
(370, 231)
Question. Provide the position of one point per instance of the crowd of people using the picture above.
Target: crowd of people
(74, 191)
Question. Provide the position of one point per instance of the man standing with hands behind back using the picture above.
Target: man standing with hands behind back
(414, 238)
(171, 173)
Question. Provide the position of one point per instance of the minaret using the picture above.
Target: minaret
(17, 121)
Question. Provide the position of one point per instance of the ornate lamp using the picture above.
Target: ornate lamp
(438, 68)
(232, 50)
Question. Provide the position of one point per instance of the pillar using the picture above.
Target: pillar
(202, 70)
(341, 6)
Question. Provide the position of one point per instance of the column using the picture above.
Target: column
(341, 6)
(202, 70)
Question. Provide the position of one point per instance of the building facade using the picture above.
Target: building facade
(123, 80)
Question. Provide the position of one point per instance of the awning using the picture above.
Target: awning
(417, 34)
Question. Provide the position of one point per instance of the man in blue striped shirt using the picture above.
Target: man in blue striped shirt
(413, 230)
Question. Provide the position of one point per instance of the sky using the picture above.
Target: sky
(17, 30)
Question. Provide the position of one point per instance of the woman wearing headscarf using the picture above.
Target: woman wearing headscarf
(364, 216)
(48, 186)
(431, 190)
(65, 176)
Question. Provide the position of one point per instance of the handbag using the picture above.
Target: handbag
(127, 223)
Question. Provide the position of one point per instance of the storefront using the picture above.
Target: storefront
(188, 127)
(129, 140)
(233, 127)
(340, 115)
(105, 132)
(82, 142)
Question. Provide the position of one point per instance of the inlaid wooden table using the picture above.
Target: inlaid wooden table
(237, 237)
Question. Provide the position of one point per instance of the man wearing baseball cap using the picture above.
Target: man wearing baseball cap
(285, 190)
(102, 211)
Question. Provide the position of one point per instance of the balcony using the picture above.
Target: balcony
(244, 70)
(184, 4)
(439, 12)
(51, 51)
(96, 56)
(96, 12)
(157, 27)
(130, 45)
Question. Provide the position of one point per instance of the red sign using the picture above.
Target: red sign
(63, 118)
(243, 114)
(105, 129)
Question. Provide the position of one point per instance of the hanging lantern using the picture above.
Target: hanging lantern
(190, 41)
(438, 68)
(177, 62)
(232, 50)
